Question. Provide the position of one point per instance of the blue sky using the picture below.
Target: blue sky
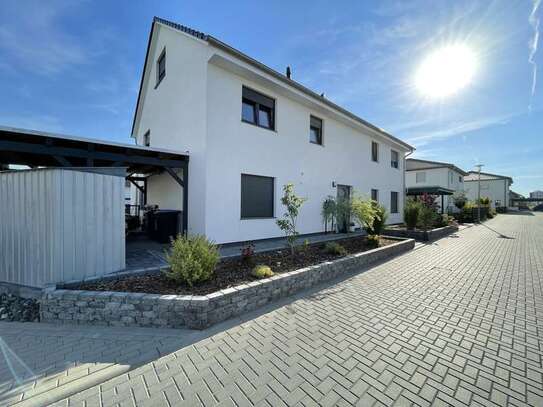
(74, 67)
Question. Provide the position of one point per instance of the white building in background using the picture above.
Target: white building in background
(250, 130)
(435, 178)
(495, 187)
(536, 194)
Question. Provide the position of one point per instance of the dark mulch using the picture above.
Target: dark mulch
(231, 272)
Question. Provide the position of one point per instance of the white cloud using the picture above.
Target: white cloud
(534, 23)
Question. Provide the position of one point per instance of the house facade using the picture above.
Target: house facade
(495, 187)
(438, 178)
(249, 130)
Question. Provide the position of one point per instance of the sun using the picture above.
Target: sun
(446, 71)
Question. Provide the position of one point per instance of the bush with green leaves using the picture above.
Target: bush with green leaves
(373, 240)
(192, 259)
(485, 201)
(411, 213)
(460, 199)
(262, 271)
(292, 204)
(379, 221)
(427, 217)
(363, 211)
(344, 211)
(334, 248)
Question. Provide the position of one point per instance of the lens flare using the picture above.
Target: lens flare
(446, 71)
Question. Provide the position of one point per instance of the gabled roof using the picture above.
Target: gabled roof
(414, 164)
(227, 48)
(474, 176)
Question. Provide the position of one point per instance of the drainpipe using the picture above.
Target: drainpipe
(404, 189)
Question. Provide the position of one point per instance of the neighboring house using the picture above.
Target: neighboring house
(436, 178)
(536, 194)
(495, 187)
(249, 130)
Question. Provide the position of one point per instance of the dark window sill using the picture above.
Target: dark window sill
(257, 218)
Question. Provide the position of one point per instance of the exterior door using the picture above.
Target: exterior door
(343, 218)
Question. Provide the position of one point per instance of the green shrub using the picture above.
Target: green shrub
(460, 199)
(262, 271)
(334, 248)
(287, 224)
(373, 240)
(192, 259)
(426, 218)
(363, 211)
(411, 213)
(379, 221)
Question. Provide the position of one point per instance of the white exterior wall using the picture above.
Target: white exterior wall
(440, 177)
(235, 147)
(60, 225)
(175, 112)
(197, 107)
(496, 190)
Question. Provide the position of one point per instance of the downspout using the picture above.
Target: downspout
(404, 172)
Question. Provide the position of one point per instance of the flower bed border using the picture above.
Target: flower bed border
(63, 306)
(422, 235)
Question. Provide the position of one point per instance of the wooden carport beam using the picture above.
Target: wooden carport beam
(175, 176)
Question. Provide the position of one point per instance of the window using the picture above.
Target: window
(315, 130)
(393, 202)
(257, 195)
(147, 138)
(451, 177)
(421, 176)
(257, 109)
(161, 67)
(375, 195)
(394, 159)
(459, 178)
(374, 151)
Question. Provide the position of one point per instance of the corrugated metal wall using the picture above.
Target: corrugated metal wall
(59, 225)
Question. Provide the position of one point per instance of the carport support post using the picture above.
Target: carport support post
(185, 197)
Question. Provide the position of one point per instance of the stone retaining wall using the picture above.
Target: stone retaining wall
(150, 310)
(421, 235)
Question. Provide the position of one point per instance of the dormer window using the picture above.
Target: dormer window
(161, 67)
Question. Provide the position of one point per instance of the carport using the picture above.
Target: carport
(40, 149)
(430, 190)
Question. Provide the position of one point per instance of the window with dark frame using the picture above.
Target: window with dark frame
(147, 138)
(394, 159)
(374, 151)
(257, 109)
(393, 202)
(375, 195)
(161, 67)
(257, 196)
(315, 130)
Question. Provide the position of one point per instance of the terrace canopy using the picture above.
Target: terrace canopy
(40, 149)
(430, 190)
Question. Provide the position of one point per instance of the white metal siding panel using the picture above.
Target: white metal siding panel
(59, 225)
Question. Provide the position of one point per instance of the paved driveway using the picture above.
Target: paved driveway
(458, 322)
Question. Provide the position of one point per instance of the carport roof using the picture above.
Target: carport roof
(432, 190)
(42, 149)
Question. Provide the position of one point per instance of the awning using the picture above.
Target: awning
(430, 190)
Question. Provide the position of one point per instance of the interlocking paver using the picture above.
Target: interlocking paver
(455, 322)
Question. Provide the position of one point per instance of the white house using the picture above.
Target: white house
(495, 187)
(536, 194)
(436, 178)
(249, 130)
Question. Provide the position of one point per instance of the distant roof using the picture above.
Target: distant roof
(225, 47)
(413, 164)
(474, 176)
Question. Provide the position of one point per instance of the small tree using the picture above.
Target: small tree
(380, 219)
(364, 212)
(344, 210)
(460, 199)
(427, 217)
(328, 212)
(411, 213)
(292, 204)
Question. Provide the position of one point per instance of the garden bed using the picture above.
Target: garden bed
(230, 272)
(421, 235)
(69, 306)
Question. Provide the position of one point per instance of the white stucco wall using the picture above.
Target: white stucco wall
(496, 190)
(197, 107)
(443, 177)
(287, 155)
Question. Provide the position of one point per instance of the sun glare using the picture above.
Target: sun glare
(446, 71)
